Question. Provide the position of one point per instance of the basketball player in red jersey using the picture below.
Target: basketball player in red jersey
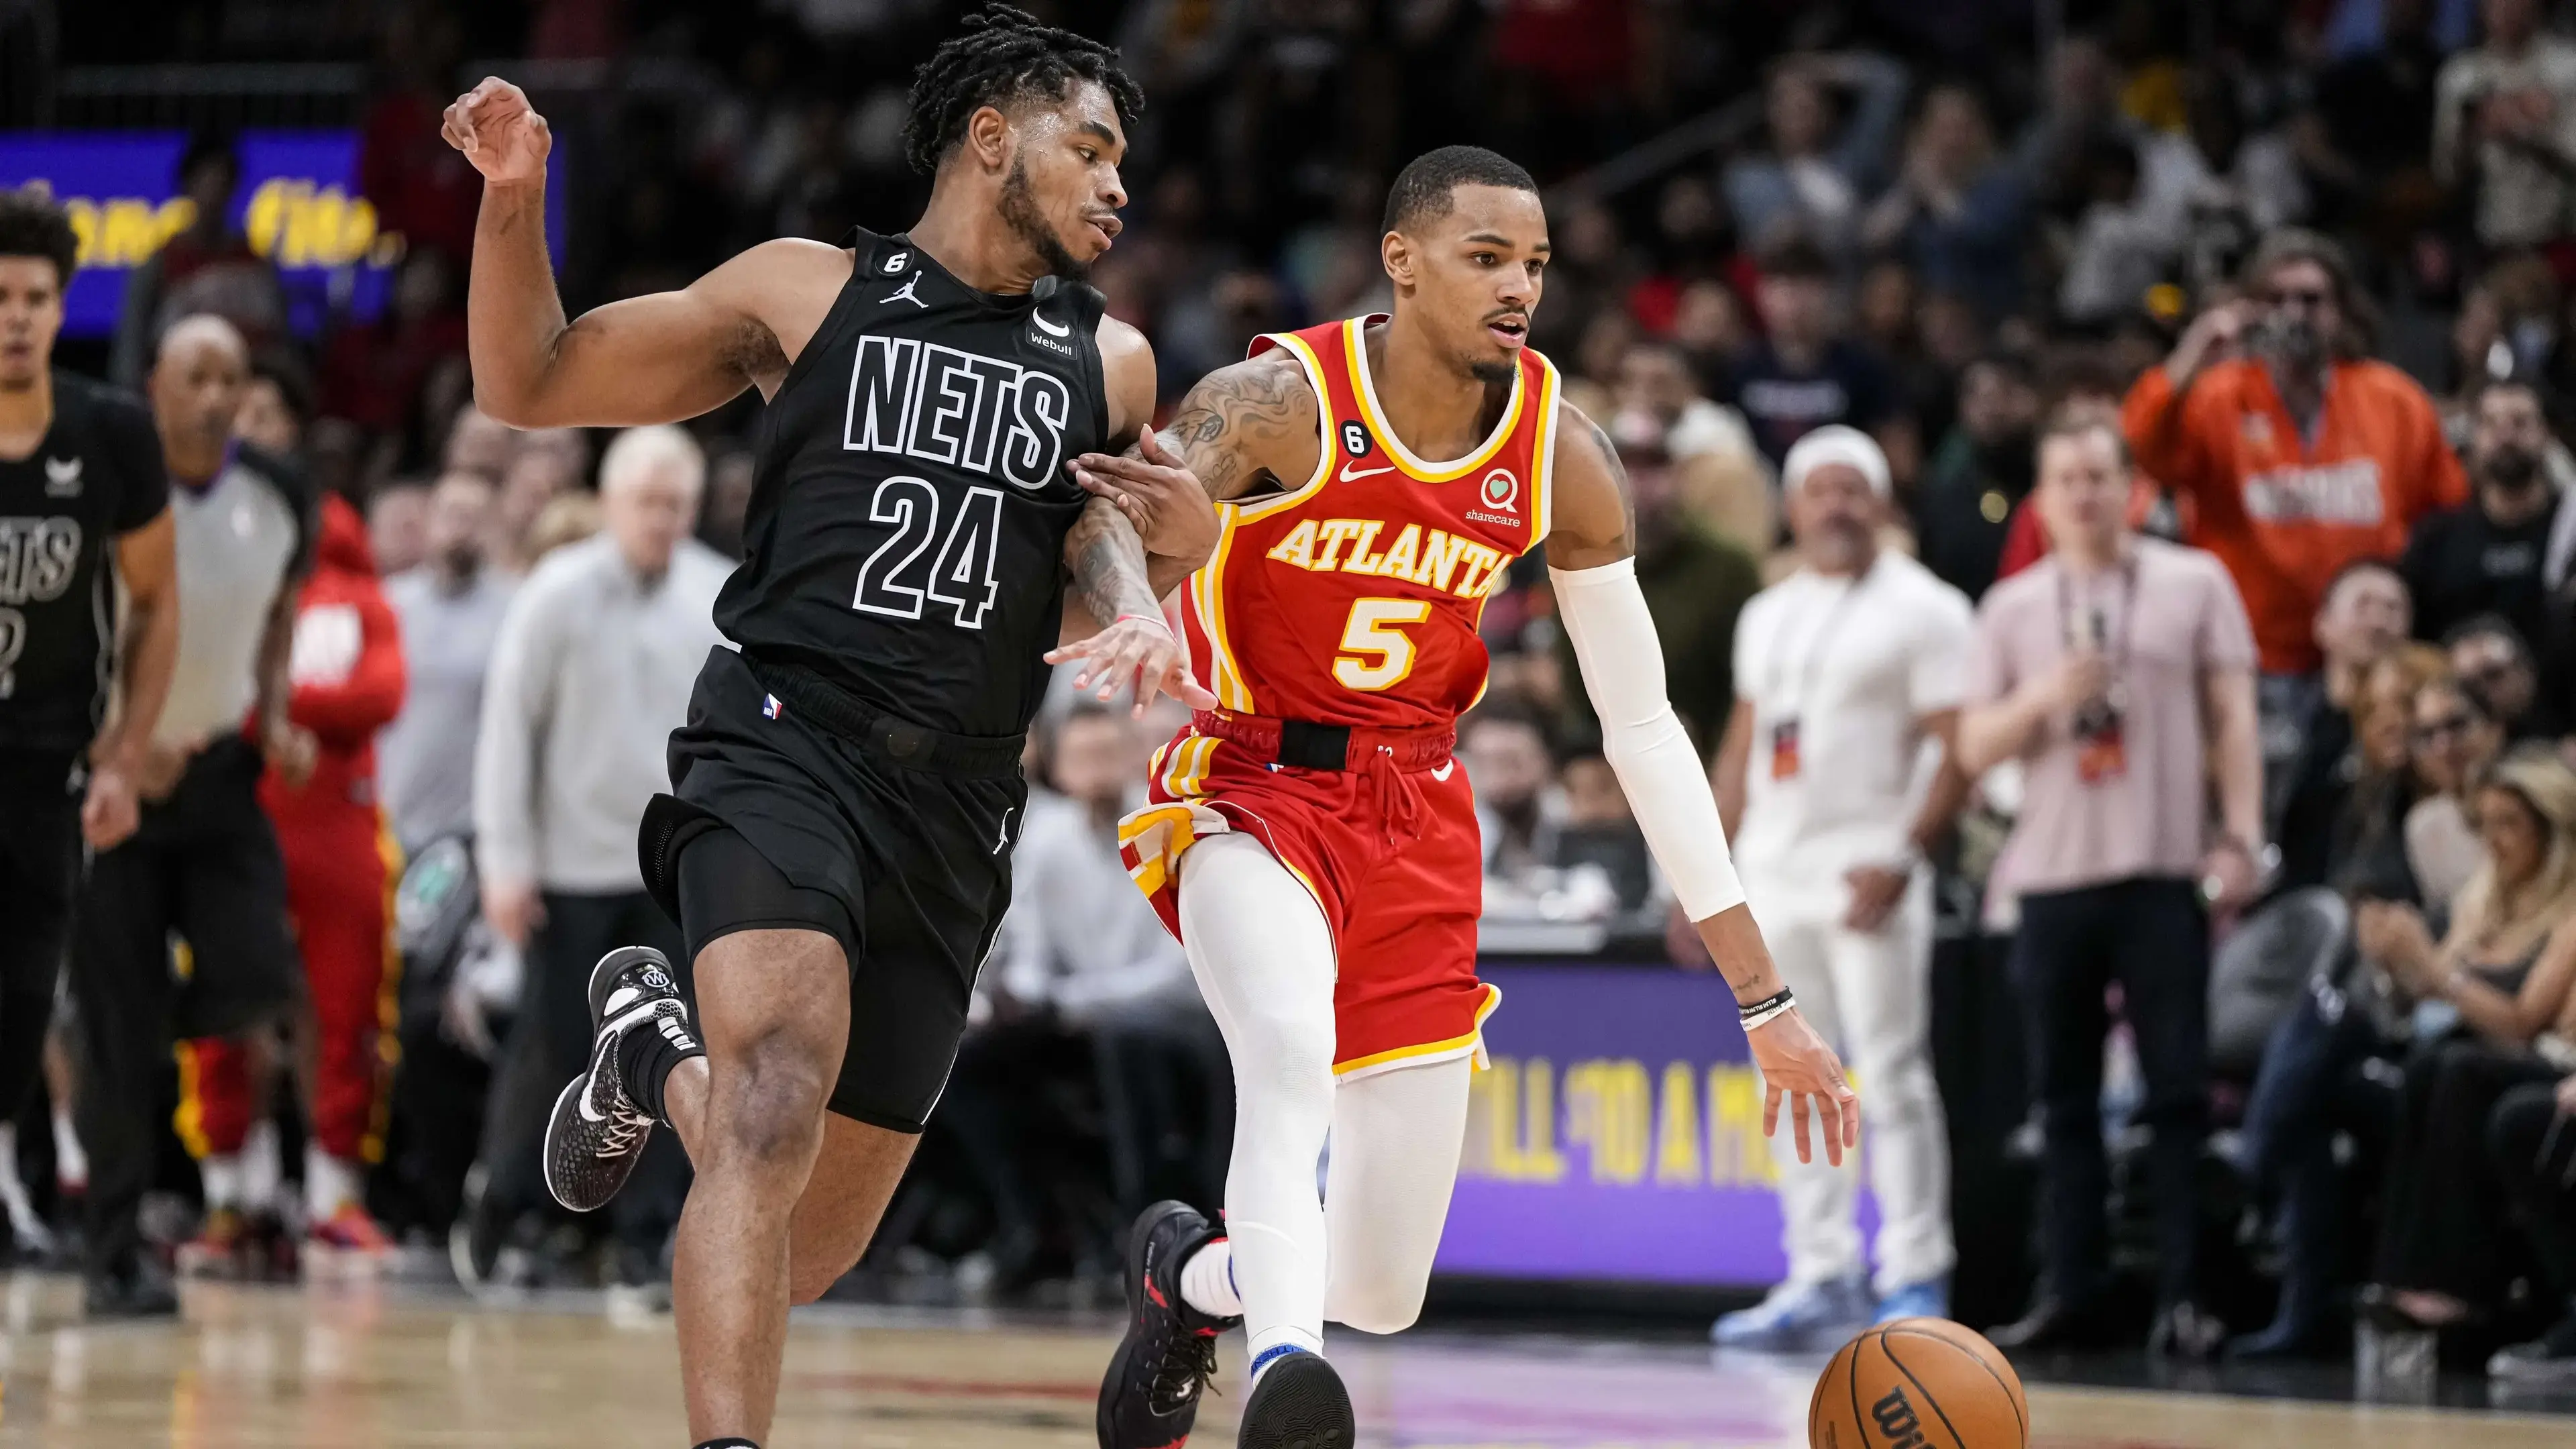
(1312, 841)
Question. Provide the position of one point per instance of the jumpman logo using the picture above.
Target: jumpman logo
(904, 294)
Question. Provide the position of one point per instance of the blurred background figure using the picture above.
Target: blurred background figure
(2119, 673)
(344, 676)
(2487, 555)
(451, 605)
(2300, 453)
(208, 267)
(1979, 474)
(204, 863)
(592, 669)
(2502, 976)
(1836, 783)
(1828, 124)
(1083, 945)
(2494, 663)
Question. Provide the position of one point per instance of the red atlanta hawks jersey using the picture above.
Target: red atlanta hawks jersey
(1354, 599)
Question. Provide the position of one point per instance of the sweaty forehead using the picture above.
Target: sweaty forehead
(1506, 213)
(1085, 107)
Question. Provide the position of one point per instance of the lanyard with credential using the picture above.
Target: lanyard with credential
(1784, 727)
(2099, 727)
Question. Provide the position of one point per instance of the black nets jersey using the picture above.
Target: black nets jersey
(97, 474)
(909, 505)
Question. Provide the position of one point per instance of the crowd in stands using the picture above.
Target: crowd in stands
(2308, 264)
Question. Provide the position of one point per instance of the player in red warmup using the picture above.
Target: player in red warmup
(1313, 842)
(346, 674)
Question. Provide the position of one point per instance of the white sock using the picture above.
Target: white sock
(1264, 960)
(222, 1175)
(1207, 1281)
(1277, 1344)
(263, 1167)
(13, 1193)
(329, 1182)
(71, 1164)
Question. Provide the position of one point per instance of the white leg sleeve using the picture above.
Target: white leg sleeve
(1396, 1138)
(1817, 1199)
(1264, 961)
(1885, 988)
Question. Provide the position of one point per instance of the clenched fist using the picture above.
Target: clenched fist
(499, 132)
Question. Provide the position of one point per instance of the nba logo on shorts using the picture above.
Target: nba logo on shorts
(770, 708)
(1502, 490)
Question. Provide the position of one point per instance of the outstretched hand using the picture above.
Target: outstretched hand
(1158, 494)
(499, 132)
(1135, 652)
(1798, 1068)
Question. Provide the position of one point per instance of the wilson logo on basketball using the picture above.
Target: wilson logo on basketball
(1898, 1427)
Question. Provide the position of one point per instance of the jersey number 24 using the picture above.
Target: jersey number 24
(906, 574)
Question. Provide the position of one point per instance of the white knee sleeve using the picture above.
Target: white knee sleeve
(1264, 960)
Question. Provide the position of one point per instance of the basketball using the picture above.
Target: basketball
(1918, 1383)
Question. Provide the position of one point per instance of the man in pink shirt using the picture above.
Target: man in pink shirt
(2119, 673)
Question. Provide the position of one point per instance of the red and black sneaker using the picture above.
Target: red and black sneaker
(1150, 1396)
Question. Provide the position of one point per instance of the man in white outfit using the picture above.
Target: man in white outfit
(1834, 778)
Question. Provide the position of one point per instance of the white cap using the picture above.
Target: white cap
(1835, 443)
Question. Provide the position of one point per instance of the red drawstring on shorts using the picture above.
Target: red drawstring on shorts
(1399, 800)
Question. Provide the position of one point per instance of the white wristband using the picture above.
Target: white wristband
(1766, 1017)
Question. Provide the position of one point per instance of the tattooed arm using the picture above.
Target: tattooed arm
(1137, 648)
(1113, 583)
(1240, 430)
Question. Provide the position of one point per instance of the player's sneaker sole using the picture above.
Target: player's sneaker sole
(597, 1133)
(1299, 1404)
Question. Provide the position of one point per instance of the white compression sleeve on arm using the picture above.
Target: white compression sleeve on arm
(1605, 616)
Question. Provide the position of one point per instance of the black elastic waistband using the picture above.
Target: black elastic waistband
(901, 742)
(1307, 745)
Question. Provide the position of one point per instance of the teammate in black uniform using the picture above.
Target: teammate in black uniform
(846, 789)
(80, 475)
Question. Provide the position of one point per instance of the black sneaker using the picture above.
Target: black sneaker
(1150, 1396)
(481, 1229)
(2548, 1361)
(597, 1133)
(1299, 1404)
(136, 1288)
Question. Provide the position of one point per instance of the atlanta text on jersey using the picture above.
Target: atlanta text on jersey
(1446, 561)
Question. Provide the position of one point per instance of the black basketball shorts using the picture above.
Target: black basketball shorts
(785, 815)
(40, 855)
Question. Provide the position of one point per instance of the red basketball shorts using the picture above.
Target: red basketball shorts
(1400, 882)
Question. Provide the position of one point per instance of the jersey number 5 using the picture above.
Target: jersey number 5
(1375, 630)
(894, 581)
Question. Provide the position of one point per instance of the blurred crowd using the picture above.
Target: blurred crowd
(2309, 260)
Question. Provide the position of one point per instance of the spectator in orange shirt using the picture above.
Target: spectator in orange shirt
(2298, 453)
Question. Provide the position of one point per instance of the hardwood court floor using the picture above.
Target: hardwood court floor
(351, 1367)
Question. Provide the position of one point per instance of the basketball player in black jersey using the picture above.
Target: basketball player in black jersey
(84, 505)
(846, 791)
